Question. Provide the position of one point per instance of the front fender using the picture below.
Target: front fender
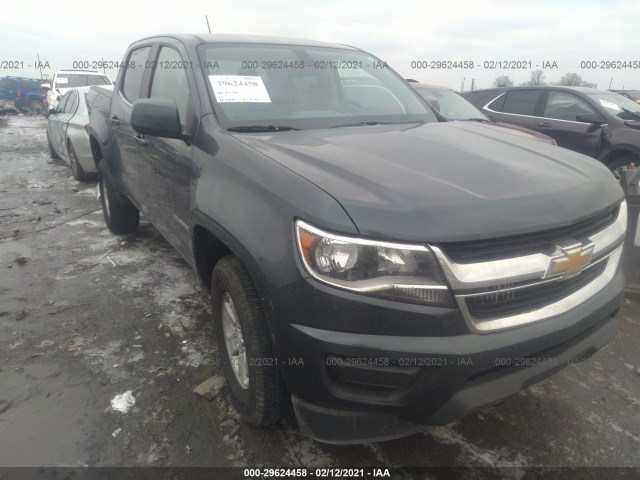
(250, 202)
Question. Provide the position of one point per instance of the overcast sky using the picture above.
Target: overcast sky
(398, 32)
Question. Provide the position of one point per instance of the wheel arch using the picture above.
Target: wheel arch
(96, 151)
(621, 152)
(211, 242)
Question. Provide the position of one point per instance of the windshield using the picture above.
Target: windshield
(632, 94)
(617, 105)
(450, 104)
(73, 80)
(302, 87)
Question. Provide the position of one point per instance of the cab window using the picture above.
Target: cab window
(134, 73)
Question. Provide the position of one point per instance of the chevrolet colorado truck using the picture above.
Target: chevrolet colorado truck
(372, 266)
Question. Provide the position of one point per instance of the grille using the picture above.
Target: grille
(522, 300)
(520, 245)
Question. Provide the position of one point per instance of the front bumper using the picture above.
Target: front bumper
(362, 369)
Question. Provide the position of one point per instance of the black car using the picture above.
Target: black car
(597, 123)
(376, 268)
(452, 106)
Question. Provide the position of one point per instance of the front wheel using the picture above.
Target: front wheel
(617, 166)
(120, 215)
(248, 361)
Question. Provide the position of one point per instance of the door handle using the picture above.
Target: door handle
(544, 125)
(140, 140)
(115, 121)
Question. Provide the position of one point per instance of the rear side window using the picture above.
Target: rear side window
(521, 102)
(133, 74)
(63, 102)
(72, 103)
(7, 83)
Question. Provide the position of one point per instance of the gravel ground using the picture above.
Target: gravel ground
(86, 315)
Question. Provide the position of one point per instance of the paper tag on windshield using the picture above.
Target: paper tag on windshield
(239, 89)
(62, 80)
(609, 105)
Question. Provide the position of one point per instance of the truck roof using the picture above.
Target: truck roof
(197, 39)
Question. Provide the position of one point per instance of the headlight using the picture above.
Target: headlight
(404, 273)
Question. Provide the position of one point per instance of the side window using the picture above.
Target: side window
(8, 84)
(565, 106)
(133, 75)
(63, 102)
(521, 102)
(72, 103)
(170, 82)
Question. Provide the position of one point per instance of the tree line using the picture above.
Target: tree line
(537, 78)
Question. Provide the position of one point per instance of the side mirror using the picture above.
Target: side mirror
(590, 118)
(157, 117)
(58, 98)
(45, 86)
(52, 111)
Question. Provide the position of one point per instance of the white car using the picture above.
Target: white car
(66, 134)
(64, 80)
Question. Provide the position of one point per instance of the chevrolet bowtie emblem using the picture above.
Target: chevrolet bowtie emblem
(570, 260)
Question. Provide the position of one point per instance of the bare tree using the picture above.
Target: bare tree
(575, 80)
(537, 78)
(571, 80)
(503, 81)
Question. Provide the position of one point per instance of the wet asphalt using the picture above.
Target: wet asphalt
(86, 315)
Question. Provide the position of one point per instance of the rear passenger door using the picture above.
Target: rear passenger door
(516, 106)
(165, 165)
(561, 120)
(68, 110)
(56, 121)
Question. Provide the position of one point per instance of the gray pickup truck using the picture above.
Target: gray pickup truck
(371, 265)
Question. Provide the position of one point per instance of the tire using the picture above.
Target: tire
(120, 215)
(36, 107)
(52, 152)
(262, 399)
(76, 169)
(620, 164)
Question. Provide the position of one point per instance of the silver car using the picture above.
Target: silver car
(67, 136)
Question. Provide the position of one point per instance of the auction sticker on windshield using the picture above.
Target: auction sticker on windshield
(609, 105)
(239, 89)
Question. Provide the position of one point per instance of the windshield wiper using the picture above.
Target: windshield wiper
(631, 112)
(483, 120)
(366, 124)
(262, 128)
(359, 124)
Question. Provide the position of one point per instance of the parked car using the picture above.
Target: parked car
(630, 94)
(453, 106)
(381, 269)
(63, 80)
(597, 123)
(67, 136)
(25, 93)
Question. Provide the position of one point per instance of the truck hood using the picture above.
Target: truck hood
(443, 182)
